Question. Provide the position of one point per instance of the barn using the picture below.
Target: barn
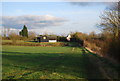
(44, 38)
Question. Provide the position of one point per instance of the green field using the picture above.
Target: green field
(23, 62)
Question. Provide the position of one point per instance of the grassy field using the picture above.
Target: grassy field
(23, 62)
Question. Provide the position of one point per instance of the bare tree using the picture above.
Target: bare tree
(110, 21)
(111, 25)
(5, 31)
(92, 34)
(14, 37)
(31, 35)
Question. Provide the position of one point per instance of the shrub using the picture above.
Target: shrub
(14, 37)
(19, 43)
(62, 39)
(111, 49)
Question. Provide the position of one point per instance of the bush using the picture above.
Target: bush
(61, 39)
(111, 49)
(114, 49)
(19, 43)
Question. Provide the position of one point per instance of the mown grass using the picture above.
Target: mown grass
(23, 62)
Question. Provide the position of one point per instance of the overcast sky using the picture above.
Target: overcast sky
(53, 17)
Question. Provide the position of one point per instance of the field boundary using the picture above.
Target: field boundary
(104, 66)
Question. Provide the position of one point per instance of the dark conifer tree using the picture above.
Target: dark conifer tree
(24, 32)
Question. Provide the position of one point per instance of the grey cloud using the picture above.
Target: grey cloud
(92, 0)
(31, 21)
(93, 3)
(80, 3)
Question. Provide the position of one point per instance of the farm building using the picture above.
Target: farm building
(44, 38)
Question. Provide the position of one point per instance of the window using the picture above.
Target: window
(44, 37)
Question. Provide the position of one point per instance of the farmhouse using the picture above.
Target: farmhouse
(68, 37)
(44, 38)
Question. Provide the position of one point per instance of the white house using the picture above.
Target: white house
(68, 37)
